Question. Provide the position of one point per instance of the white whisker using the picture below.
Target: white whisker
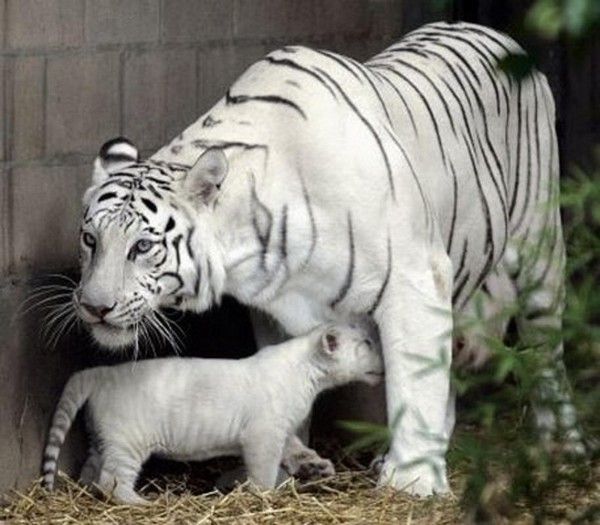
(163, 331)
(174, 331)
(63, 329)
(39, 304)
(148, 333)
(64, 277)
(136, 343)
(54, 315)
(57, 301)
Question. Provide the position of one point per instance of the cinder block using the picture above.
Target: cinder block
(218, 68)
(45, 214)
(2, 24)
(28, 108)
(259, 19)
(5, 229)
(160, 96)
(82, 102)
(143, 101)
(216, 71)
(275, 18)
(3, 118)
(343, 17)
(38, 23)
(121, 21)
(193, 21)
(245, 56)
(180, 84)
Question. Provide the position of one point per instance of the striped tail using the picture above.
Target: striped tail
(75, 394)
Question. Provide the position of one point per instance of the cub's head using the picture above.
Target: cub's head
(147, 242)
(346, 353)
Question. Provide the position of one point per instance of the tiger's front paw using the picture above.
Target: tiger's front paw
(420, 480)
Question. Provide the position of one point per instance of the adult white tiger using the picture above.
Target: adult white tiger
(320, 188)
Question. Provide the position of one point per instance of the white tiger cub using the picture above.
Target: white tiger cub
(196, 409)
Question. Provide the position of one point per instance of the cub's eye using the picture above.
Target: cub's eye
(89, 240)
(142, 246)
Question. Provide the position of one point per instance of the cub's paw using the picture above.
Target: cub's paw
(306, 464)
(418, 480)
(315, 468)
(376, 466)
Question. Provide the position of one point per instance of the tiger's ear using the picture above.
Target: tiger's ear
(330, 341)
(114, 155)
(204, 178)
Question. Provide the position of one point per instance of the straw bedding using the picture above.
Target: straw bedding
(350, 497)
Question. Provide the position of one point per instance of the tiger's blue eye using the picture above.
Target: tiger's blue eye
(89, 240)
(143, 246)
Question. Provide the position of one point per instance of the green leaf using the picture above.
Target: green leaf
(545, 18)
(517, 65)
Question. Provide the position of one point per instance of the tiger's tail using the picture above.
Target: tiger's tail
(76, 392)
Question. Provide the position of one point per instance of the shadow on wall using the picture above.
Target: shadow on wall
(31, 377)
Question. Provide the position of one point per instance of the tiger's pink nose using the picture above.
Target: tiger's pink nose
(99, 311)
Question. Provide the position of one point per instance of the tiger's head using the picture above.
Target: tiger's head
(147, 243)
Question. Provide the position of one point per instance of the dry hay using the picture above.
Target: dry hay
(351, 497)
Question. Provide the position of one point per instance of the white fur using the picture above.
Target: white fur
(195, 409)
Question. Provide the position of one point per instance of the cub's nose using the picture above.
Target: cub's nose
(97, 310)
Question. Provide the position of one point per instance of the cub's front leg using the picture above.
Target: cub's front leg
(415, 323)
(262, 449)
(298, 460)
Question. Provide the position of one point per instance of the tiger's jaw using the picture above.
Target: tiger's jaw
(113, 337)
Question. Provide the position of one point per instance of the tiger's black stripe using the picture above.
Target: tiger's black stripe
(271, 99)
(347, 284)
(291, 64)
(386, 280)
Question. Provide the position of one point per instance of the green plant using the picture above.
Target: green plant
(573, 18)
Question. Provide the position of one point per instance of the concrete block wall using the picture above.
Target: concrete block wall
(74, 73)
(77, 72)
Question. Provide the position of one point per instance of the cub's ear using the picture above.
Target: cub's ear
(114, 155)
(330, 341)
(202, 181)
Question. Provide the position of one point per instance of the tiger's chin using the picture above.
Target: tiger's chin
(113, 337)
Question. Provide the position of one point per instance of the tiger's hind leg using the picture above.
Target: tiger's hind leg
(90, 471)
(484, 319)
(540, 285)
(118, 475)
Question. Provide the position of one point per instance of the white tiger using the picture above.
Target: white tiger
(196, 409)
(319, 188)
